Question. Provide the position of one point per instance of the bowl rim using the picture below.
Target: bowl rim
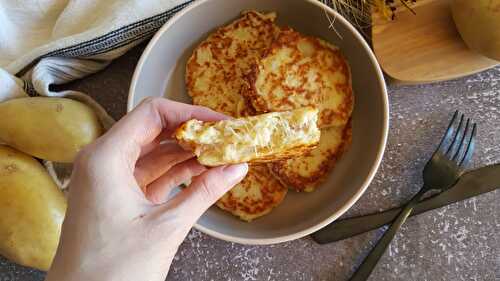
(366, 181)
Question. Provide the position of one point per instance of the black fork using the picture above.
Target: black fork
(440, 173)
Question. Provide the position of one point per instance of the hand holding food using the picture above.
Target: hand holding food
(111, 228)
(32, 210)
(281, 118)
(52, 129)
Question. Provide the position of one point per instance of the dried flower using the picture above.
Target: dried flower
(358, 11)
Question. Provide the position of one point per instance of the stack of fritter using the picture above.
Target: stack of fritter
(253, 66)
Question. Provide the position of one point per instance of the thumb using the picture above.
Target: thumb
(206, 189)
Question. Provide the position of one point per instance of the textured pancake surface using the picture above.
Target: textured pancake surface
(215, 71)
(252, 66)
(300, 71)
(255, 196)
(255, 139)
(306, 172)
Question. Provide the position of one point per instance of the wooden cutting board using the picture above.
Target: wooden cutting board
(425, 47)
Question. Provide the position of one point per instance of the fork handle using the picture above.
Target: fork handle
(371, 260)
(350, 227)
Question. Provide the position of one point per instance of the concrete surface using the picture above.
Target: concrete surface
(458, 242)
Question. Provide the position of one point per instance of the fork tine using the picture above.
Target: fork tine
(462, 146)
(454, 143)
(470, 147)
(449, 131)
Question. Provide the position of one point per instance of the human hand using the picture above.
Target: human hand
(119, 224)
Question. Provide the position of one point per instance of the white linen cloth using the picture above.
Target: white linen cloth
(45, 42)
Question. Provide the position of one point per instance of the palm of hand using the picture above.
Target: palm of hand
(121, 223)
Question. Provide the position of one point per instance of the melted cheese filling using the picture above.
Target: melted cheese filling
(244, 139)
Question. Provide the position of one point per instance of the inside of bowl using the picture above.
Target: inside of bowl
(162, 73)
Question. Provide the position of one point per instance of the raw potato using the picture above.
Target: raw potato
(53, 129)
(32, 210)
(478, 22)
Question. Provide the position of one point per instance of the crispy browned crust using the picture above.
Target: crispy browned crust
(232, 66)
(276, 156)
(249, 92)
(247, 208)
(289, 38)
(177, 135)
(308, 184)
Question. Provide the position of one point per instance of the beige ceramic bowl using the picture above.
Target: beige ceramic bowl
(160, 72)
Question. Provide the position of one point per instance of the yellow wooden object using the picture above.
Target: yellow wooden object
(425, 47)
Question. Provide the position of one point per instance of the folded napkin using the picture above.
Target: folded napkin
(45, 42)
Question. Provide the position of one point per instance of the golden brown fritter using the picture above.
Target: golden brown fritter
(300, 71)
(215, 71)
(255, 139)
(255, 196)
(306, 172)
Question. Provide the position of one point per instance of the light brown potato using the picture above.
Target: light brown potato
(478, 22)
(32, 210)
(53, 129)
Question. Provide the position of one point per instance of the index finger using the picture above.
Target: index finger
(153, 116)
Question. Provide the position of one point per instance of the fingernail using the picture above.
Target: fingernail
(235, 173)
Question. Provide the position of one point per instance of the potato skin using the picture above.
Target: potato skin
(478, 22)
(53, 129)
(32, 209)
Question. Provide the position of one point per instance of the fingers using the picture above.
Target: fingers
(205, 190)
(157, 192)
(154, 115)
(161, 138)
(158, 161)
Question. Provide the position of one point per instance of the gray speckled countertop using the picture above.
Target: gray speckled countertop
(458, 242)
